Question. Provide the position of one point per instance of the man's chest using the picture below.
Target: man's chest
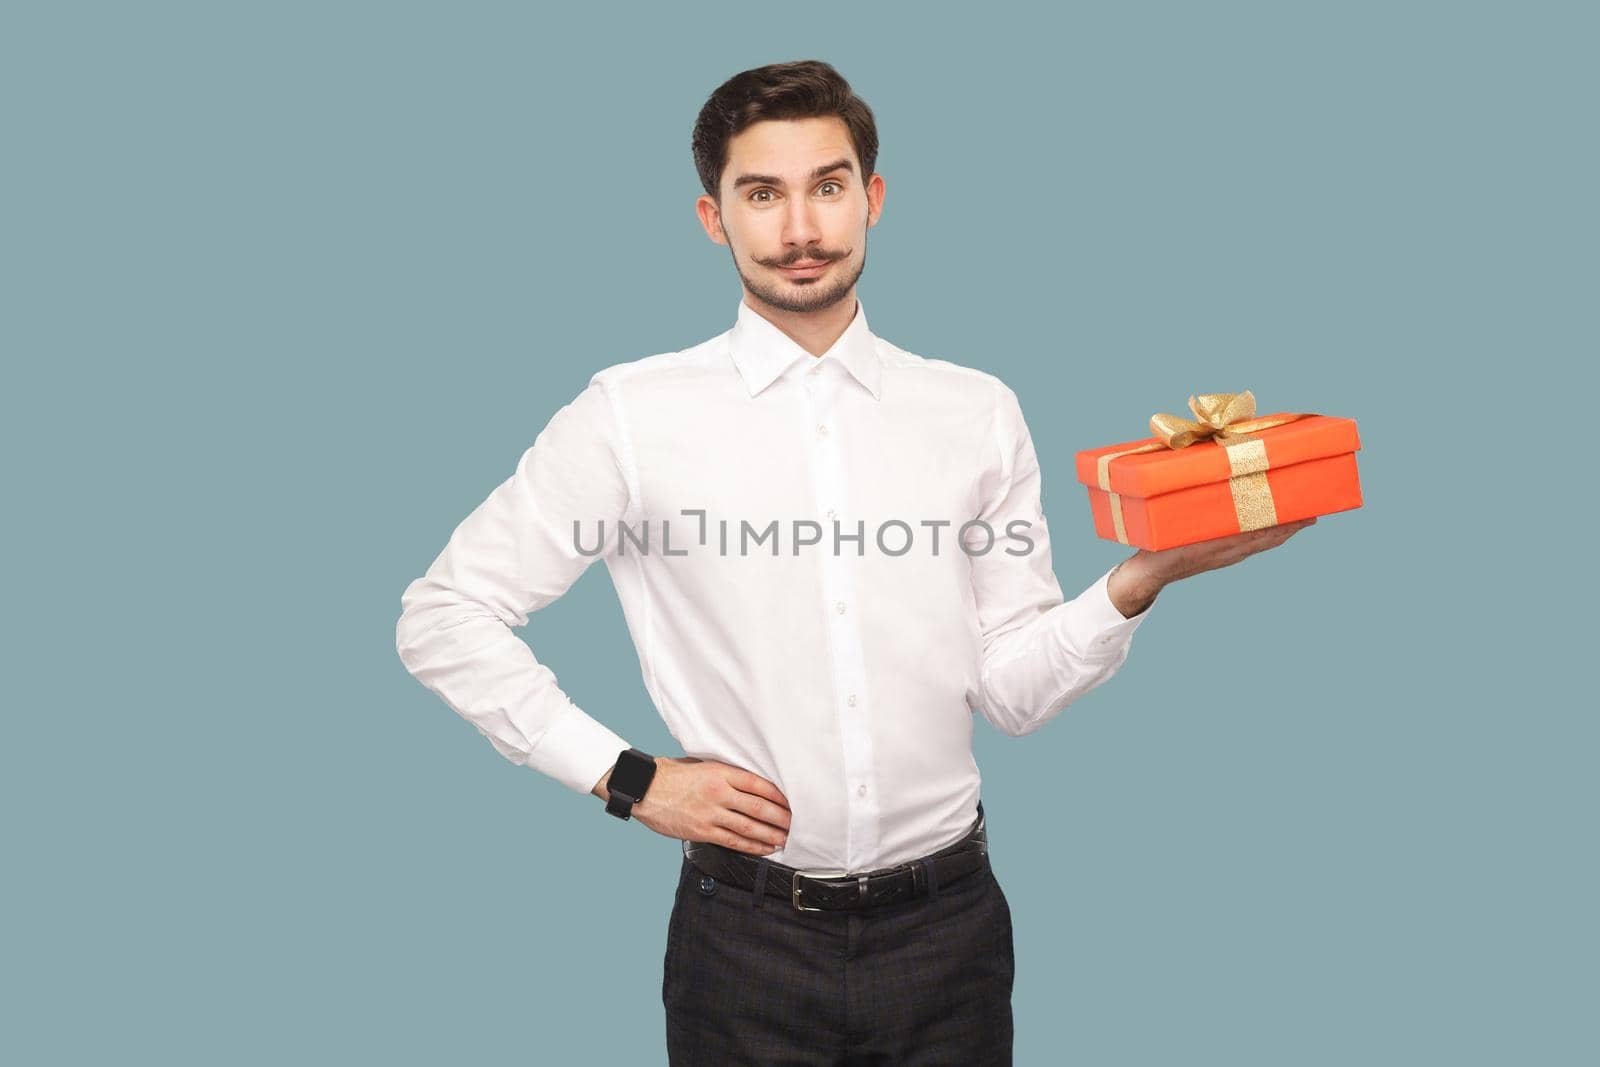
(854, 463)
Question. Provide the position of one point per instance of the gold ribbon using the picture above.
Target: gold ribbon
(1226, 419)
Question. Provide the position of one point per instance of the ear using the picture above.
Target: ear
(711, 218)
(874, 199)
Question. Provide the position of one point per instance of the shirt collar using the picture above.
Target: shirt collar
(762, 352)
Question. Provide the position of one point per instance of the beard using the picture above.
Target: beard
(803, 294)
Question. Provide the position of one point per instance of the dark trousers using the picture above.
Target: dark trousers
(749, 980)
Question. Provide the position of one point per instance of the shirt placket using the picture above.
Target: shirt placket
(830, 486)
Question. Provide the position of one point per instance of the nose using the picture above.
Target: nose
(800, 223)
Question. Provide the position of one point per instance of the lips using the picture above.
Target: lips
(803, 269)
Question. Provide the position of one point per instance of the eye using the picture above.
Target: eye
(757, 193)
(833, 183)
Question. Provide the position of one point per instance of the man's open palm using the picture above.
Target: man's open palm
(1188, 560)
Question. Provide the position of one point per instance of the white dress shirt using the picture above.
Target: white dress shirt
(850, 678)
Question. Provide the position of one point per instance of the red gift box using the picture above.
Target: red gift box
(1227, 472)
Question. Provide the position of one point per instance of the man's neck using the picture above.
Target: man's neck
(814, 331)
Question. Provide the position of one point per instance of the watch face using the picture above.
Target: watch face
(632, 776)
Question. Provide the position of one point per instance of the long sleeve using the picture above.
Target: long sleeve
(515, 553)
(1040, 651)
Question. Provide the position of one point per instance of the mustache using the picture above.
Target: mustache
(811, 257)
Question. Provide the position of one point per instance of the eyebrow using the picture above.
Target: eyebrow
(768, 179)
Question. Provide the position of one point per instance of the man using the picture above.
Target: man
(830, 554)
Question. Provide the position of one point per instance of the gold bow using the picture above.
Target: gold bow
(1227, 419)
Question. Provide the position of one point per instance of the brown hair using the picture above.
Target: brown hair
(807, 88)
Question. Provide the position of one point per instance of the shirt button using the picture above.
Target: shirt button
(832, 514)
(822, 429)
(861, 791)
(840, 606)
(852, 700)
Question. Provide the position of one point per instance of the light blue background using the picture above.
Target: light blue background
(289, 287)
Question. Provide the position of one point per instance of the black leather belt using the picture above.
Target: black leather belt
(808, 892)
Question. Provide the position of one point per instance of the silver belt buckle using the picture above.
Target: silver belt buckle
(794, 884)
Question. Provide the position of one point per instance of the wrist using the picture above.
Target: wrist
(1133, 585)
(600, 789)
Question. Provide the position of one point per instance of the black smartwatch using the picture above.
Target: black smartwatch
(629, 781)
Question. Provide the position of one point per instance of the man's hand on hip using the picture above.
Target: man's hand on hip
(693, 799)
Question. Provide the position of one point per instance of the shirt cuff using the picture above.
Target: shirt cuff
(1109, 630)
(577, 750)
